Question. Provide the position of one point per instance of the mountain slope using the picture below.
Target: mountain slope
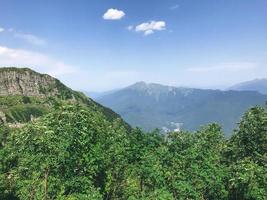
(155, 106)
(26, 94)
(259, 85)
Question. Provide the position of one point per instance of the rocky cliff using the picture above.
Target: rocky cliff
(25, 93)
(26, 82)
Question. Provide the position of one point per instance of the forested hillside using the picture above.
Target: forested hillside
(165, 107)
(26, 95)
(75, 149)
(74, 153)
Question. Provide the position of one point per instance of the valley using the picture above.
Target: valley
(150, 106)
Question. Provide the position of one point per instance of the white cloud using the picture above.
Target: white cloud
(2, 29)
(37, 61)
(32, 39)
(113, 14)
(174, 7)
(148, 32)
(235, 66)
(150, 27)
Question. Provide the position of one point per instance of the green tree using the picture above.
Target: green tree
(70, 152)
(246, 155)
(193, 164)
(77, 153)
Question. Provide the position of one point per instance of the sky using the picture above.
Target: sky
(100, 45)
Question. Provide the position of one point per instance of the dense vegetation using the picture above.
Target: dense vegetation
(75, 152)
(21, 109)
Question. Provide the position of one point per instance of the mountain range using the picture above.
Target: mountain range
(259, 85)
(26, 95)
(150, 105)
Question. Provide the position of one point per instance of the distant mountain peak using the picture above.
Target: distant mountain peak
(156, 90)
(144, 85)
(256, 80)
(259, 85)
(150, 105)
(137, 85)
(150, 88)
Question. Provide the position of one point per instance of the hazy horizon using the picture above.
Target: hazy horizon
(185, 86)
(105, 45)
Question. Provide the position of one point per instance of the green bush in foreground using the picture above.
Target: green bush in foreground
(75, 153)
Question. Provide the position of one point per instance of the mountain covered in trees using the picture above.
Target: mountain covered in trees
(26, 94)
(79, 150)
(259, 85)
(158, 106)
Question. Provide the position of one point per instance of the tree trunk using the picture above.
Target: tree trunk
(46, 185)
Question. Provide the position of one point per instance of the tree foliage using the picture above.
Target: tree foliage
(76, 153)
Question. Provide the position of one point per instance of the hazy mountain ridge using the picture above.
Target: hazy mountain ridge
(150, 105)
(259, 85)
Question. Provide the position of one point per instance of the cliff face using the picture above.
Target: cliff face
(14, 81)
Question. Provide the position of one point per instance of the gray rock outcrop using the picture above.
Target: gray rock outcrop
(14, 81)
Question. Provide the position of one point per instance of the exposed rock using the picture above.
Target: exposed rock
(14, 81)
(2, 117)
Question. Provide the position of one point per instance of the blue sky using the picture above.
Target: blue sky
(196, 43)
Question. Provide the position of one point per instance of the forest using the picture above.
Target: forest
(74, 152)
